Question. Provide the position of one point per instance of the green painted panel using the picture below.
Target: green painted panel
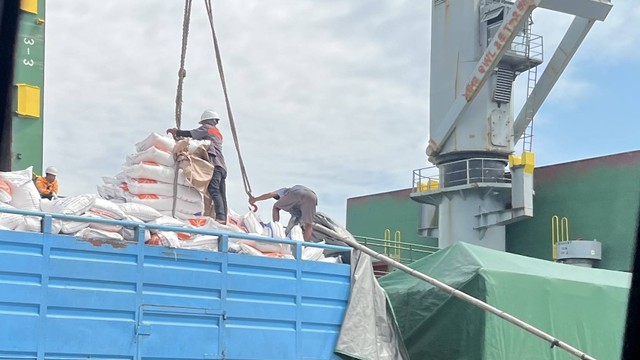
(27, 134)
(600, 197)
(371, 215)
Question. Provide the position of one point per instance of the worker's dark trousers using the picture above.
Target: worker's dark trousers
(218, 191)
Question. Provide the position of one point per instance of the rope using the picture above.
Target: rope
(182, 73)
(245, 178)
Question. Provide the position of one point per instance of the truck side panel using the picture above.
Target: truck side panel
(64, 298)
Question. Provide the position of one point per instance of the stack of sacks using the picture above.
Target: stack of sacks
(147, 178)
(17, 191)
(127, 192)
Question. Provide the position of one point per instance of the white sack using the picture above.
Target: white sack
(194, 144)
(203, 222)
(75, 205)
(246, 249)
(106, 209)
(169, 239)
(140, 211)
(267, 246)
(154, 172)
(72, 227)
(5, 191)
(296, 233)
(95, 234)
(10, 221)
(158, 141)
(129, 234)
(111, 192)
(147, 186)
(101, 226)
(151, 155)
(201, 242)
(252, 223)
(165, 203)
(24, 194)
(332, 259)
(111, 180)
(179, 215)
(169, 221)
(234, 218)
(312, 253)
(274, 230)
(33, 224)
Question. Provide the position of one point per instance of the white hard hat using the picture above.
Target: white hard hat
(209, 115)
(51, 170)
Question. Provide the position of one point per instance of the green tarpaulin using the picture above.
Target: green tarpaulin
(581, 306)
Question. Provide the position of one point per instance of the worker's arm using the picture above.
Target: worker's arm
(54, 186)
(265, 196)
(275, 214)
(179, 133)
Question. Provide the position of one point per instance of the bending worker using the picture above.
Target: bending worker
(48, 185)
(217, 185)
(298, 201)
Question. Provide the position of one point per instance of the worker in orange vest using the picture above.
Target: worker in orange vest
(48, 185)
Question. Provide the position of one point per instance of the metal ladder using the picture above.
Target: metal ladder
(532, 79)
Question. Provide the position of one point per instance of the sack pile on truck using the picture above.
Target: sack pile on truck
(143, 192)
(147, 178)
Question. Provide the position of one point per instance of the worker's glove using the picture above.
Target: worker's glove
(54, 196)
(172, 131)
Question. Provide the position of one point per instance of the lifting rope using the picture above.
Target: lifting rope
(245, 177)
(182, 73)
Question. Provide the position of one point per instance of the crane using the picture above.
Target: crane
(479, 47)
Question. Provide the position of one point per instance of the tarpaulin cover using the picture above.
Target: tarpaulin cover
(369, 331)
(582, 306)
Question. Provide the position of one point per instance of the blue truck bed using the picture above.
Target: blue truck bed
(65, 298)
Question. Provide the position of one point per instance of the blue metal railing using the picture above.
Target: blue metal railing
(223, 236)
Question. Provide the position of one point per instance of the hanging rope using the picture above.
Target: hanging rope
(245, 178)
(182, 73)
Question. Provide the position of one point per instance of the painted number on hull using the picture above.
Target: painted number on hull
(28, 42)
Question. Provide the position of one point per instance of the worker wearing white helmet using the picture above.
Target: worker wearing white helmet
(48, 185)
(217, 185)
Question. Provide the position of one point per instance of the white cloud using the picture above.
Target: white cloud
(332, 96)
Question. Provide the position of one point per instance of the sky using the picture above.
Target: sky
(333, 95)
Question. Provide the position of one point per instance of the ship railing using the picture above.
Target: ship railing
(404, 252)
(46, 222)
(462, 172)
(530, 47)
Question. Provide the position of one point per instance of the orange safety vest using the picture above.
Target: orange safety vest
(45, 187)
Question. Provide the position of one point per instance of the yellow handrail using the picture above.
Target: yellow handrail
(397, 240)
(565, 231)
(387, 240)
(559, 233)
(555, 235)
